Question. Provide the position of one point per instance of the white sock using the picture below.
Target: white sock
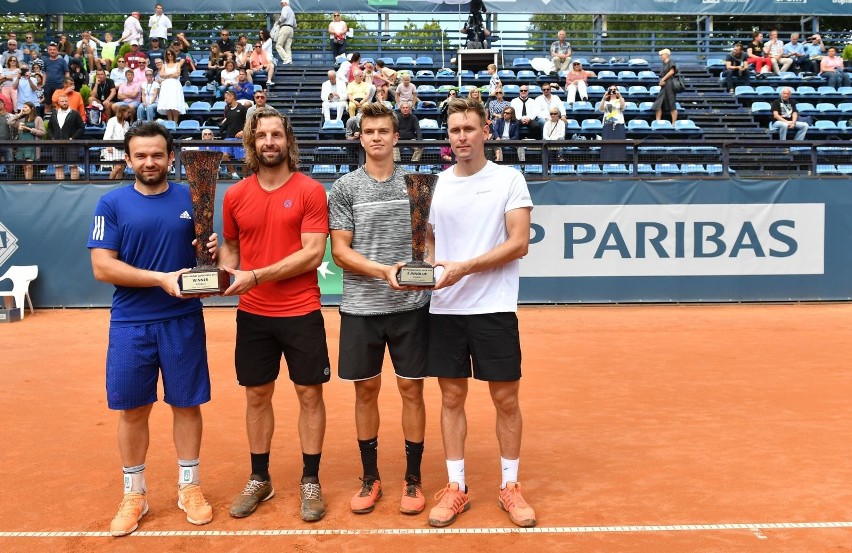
(188, 472)
(455, 470)
(510, 471)
(134, 479)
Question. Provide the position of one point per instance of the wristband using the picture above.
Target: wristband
(255, 277)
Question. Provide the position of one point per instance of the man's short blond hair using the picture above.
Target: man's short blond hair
(464, 105)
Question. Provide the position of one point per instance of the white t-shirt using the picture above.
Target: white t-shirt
(468, 219)
(159, 25)
(93, 46)
(132, 31)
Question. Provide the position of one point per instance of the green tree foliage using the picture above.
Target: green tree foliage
(414, 37)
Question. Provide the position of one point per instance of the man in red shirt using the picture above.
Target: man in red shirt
(275, 229)
(134, 57)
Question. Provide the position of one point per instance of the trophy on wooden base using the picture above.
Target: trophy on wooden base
(417, 272)
(202, 170)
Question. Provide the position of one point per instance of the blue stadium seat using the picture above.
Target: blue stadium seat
(638, 126)
(425, 74)
(631, 107)
(483, 75)
(844, 169)
(627, 76)
(171, 125)
(405, 61)
(589, 169)
(426, 89)
(806, 90)
(647, 76)
(646, 106)
(511, 90)
(654, 90)
(615, 169)
(637, 90)
(466, 75)
(845, 107)
(596, 91)
(320, 170)
(765, 90)
(535, 90)
(744, 90)
(687, 126)
(200, 107)
(189, 89)
(667, 169)
(761, 108)
(218, 107)
(506, 74)
(523, 63)
(533, 169)
(583, 106)
(825, 125)
(198, 77)
(715, 63)
(662, 125)
(826, 170)
(386, 61)
(526, 75)
(715, 169)
(827, 109)
(424, 60)
(826, 90)
(561, 169)
(806, 108)
(693, 169)
(607, 75)
(645, 169)
(845, 90)
(637, 62)
(591, 125)
(333, 125)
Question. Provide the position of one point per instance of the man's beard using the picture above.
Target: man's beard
(277, 160)
(152, 179)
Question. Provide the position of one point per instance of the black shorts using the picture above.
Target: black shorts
(491, 340)
(363, 340)
(261, 341)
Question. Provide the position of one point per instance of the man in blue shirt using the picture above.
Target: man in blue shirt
(815, 49)
(142, 241)
(795, 50)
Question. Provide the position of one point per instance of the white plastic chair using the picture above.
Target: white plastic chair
(21, 276)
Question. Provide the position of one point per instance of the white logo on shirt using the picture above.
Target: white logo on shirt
(185, 215)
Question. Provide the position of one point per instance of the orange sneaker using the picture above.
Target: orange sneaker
(452, 503)
(364, 501)
(191, 501)
(133, 507)
(413, 501)
(513, 502)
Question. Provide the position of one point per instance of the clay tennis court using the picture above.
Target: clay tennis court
(647, 428)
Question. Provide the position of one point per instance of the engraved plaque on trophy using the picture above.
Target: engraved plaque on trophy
(202, 169)
(418, 272)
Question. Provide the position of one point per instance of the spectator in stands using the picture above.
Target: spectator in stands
(76, 72)
(736, 67)
(831, 67)
(527, 109)
(447, 156)
(353, 127)
(667, 98)
(30, 128)
(12, 51)
(104, 93)
(185, 45)
(234, 118)
(241, 58)
(390, 78)
(504, 127)
(66, 49)
(188, 63)
(785, 116)
(27, 86)
(55, 70)
(75, 100)
(134, 57)
(133, 33)
(333, 94)
(225, 42)
(756, 55)
(357, 93)
(215, 64)
(266, 41)
(115, 129)
(158, 68)
(155, 52)
(612, 107)
(347, 69)
(259, 62)
(118, 74)
(409, 129)
(130, 92)
(139, 72)
(382, 98)
(476, 94)
(560, 52)
(66, 124)
(227, 78)
(207, 134)
(87, 51)
(496, 106)
(287, 24)
(259, 102)
(795, 51)
(243, 89)
(7, 132)
(109, 50)
(452, 94)
(171, 101)
(546, 101)
(160, 25)
(8, 77)
(494, 81)
(576, 82)
(406, 91)
(554, 128)
(30, 49)
(147, 110)
(337, 30)
(774, 50)
(815, 49)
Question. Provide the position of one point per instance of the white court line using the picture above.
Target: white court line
(753, 527)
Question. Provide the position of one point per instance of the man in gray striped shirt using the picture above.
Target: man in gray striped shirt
(370, 224)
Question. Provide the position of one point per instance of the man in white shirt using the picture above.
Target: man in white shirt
(333, 94)
(775, 49)
(479, 228)
(117, 74)
(147, 109)
(87, 49)
(160, 25)
(546, 101)
(133, 33)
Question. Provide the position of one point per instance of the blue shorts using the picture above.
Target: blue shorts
(136, 354)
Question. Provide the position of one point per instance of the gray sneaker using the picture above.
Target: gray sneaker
(256, 490)
(313, 507)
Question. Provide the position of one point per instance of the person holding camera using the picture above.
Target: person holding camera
(612, 106)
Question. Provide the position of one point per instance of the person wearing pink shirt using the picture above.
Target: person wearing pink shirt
(831, 67)
(259, 61)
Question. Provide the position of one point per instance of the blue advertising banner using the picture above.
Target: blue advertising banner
(591, 242)
(705, 7)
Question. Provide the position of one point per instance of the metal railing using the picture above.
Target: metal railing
(552, 160)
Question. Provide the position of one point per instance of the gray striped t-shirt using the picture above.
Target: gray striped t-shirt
(379, 217)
